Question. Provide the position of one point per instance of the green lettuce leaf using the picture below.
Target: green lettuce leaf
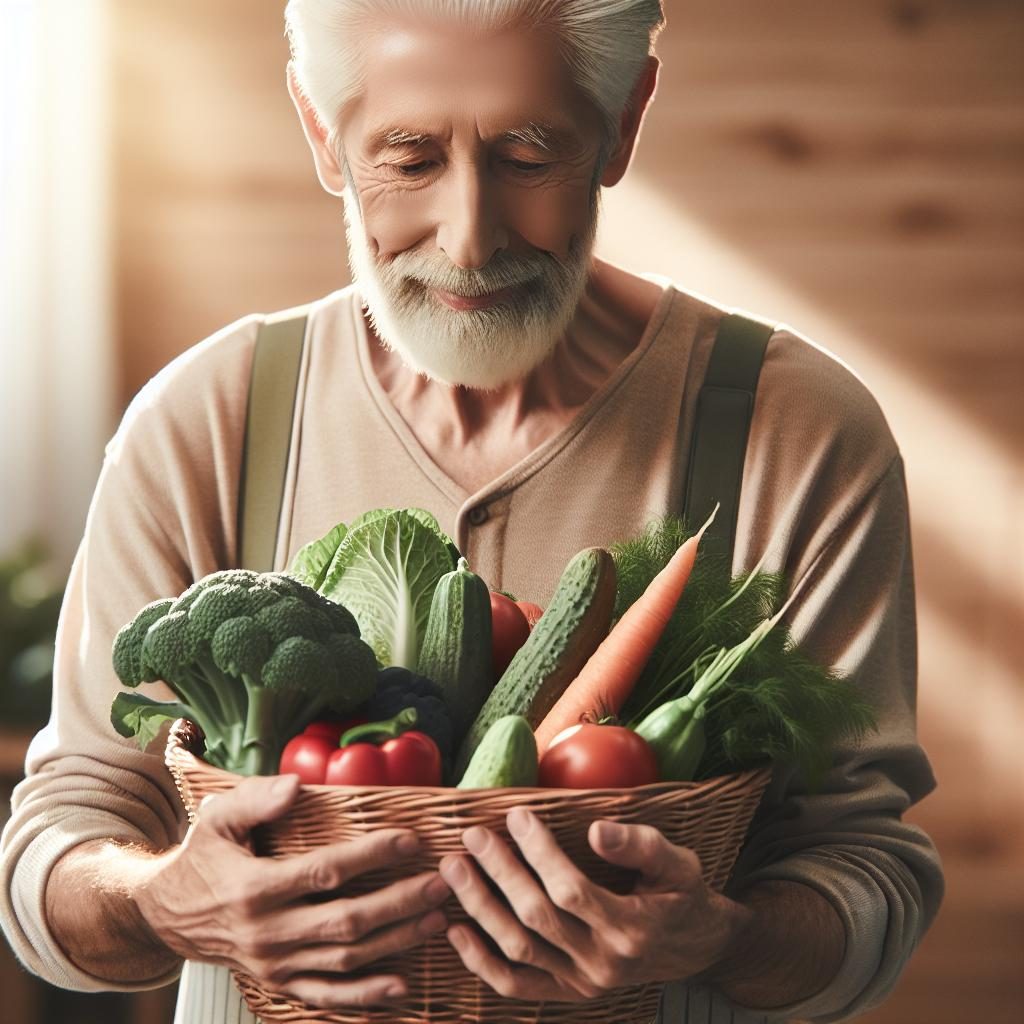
(385, 572)
(311, 563)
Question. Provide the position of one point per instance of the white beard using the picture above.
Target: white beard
(481, 348)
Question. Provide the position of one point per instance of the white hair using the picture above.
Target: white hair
(606, 43)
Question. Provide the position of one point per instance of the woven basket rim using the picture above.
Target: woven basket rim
(179, 750)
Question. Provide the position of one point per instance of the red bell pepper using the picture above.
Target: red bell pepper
(406, 758)
(306, 755)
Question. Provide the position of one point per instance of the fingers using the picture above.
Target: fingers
(494, 916)
(514, 981)
(350, 920)
(566, 886)
(330, 993)
(663, 867)
(254, 801)
(530, 902)
(329, 867)
(345, 958)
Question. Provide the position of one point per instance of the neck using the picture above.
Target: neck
(474, 434)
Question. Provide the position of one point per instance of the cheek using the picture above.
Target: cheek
(550, 219)
(398, 223)
(544, 218)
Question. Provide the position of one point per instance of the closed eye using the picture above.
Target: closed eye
(412, 170)
(526, 166)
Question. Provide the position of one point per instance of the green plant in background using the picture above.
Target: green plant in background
(31, 591)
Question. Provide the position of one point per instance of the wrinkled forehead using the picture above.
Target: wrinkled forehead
(435, 79)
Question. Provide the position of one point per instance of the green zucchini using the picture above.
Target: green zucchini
(569, 631)
(507, 756)
(456, 651)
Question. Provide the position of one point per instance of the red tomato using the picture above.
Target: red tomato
(361, 764)
(532, 611)
(509, 630)
(306, 756)
(598, 757)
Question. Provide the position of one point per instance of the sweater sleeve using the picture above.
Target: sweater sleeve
(848, 550)
(162, 515)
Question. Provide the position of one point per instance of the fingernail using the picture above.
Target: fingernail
(432, 923)
(437, 889)
(408, 844)
(456, 938)
(474, 839)
(610, 835)
(454, 872)
(394, 991)
(519, 821)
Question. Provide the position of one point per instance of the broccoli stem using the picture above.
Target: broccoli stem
(194, 691)
(226, 690)
(255, 759)
(259, 751)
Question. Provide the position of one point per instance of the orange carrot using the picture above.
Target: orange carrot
(607, 679)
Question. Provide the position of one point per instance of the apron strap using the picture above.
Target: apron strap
(725, 407)
(268, 435)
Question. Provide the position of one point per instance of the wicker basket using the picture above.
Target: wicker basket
(710, 817)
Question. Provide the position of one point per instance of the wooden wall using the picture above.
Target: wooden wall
(863, 160)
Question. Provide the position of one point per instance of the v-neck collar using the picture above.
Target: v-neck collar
(540, 456)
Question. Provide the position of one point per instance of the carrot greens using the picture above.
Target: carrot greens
(727, 687)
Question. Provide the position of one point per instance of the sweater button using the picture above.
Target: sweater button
(478, 515)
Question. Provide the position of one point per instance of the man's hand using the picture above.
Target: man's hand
(566, 938)
(212, 900)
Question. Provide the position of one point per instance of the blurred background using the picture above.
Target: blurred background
(853, 168)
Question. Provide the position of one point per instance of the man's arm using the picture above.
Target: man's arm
(129, 915)
(91, 908)
(788, 949)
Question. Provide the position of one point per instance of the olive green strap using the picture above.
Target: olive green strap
(725, 407)
(268, 435)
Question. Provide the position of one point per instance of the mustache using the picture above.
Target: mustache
(505, 270)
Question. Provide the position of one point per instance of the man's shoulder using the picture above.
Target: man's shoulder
(817, 434)
(210, 379)
(821, 396)
(803, 386)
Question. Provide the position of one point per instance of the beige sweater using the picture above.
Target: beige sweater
(823, 487)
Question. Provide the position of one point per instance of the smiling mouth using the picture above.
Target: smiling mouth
(468, 302)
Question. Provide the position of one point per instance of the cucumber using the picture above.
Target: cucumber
(456, 651)
(569, 631)
(506, 756)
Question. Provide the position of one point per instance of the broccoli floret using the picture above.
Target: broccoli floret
(290, 617)
(169, 644)
(252, 657)
(300, 665)
(130, 663)
(215, 605)
(238, 577)
(357, 671)
(240, 646)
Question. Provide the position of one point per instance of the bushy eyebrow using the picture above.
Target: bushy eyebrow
(534, 133)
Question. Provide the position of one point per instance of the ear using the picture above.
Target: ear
(629, 126)
(327, 168)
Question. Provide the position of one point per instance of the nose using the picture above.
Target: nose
(470, 230)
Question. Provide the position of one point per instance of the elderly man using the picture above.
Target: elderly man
(488, 366)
